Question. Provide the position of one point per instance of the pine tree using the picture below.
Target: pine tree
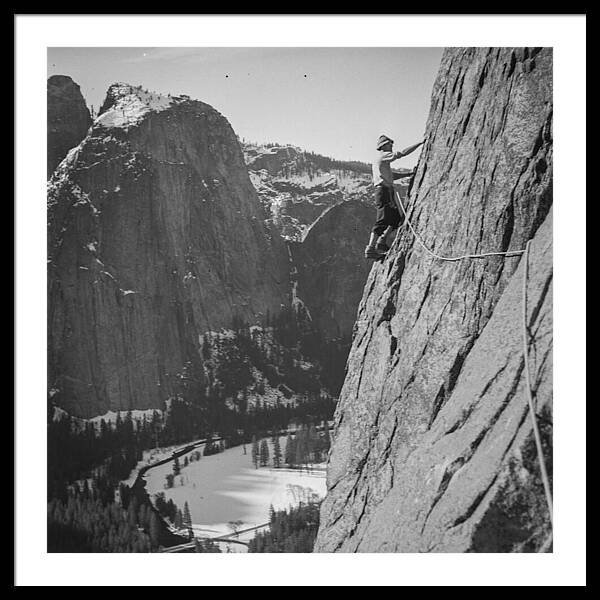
(85, 491)
(132, 512)
(155, 426)
(301, 446)
(276, 453)
(171, 510)
(128, 426)
(143, 516)
(187, 519)
(255, 452)
(154, 529)
(290, 450)
(264, 453)
(176, 467)
(312, 444)
(299, 459)
(178, 519)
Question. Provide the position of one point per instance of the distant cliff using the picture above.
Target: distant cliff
(433, 447)
(68, 119)
(331, 266)
(155, 235)
(297, 187)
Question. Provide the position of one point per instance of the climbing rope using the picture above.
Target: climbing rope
(450, 258)
(536, 431)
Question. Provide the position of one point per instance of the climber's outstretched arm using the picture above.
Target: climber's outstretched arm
(411, 149)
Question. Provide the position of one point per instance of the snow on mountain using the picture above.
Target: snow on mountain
(296, 187)
(127, 105)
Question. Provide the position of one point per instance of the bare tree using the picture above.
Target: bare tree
(235, 526)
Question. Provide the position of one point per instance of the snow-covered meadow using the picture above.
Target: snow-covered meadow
(226, 487)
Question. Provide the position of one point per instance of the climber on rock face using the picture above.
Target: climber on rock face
(388, 215)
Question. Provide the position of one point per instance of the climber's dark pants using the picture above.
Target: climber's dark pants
(387, 212)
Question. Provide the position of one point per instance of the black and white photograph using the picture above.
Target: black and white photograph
(298, 297)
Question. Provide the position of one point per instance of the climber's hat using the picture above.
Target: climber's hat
(383, 140)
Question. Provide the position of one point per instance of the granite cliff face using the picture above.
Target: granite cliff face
(155, 235)
(68, 119)
(433, 448)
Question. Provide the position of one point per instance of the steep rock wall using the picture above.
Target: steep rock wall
(331, 267)
(68, 119)
(155, 235)
(433, 446)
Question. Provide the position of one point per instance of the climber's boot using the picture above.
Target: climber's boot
(372, 253)
(381, 246)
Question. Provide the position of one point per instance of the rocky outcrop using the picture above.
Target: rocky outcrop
(155, 235)
(331, 267)
(68, 119)
(433, 447)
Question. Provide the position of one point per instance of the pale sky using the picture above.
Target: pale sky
(333, 101)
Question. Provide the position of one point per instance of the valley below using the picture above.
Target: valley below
(226, 488)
